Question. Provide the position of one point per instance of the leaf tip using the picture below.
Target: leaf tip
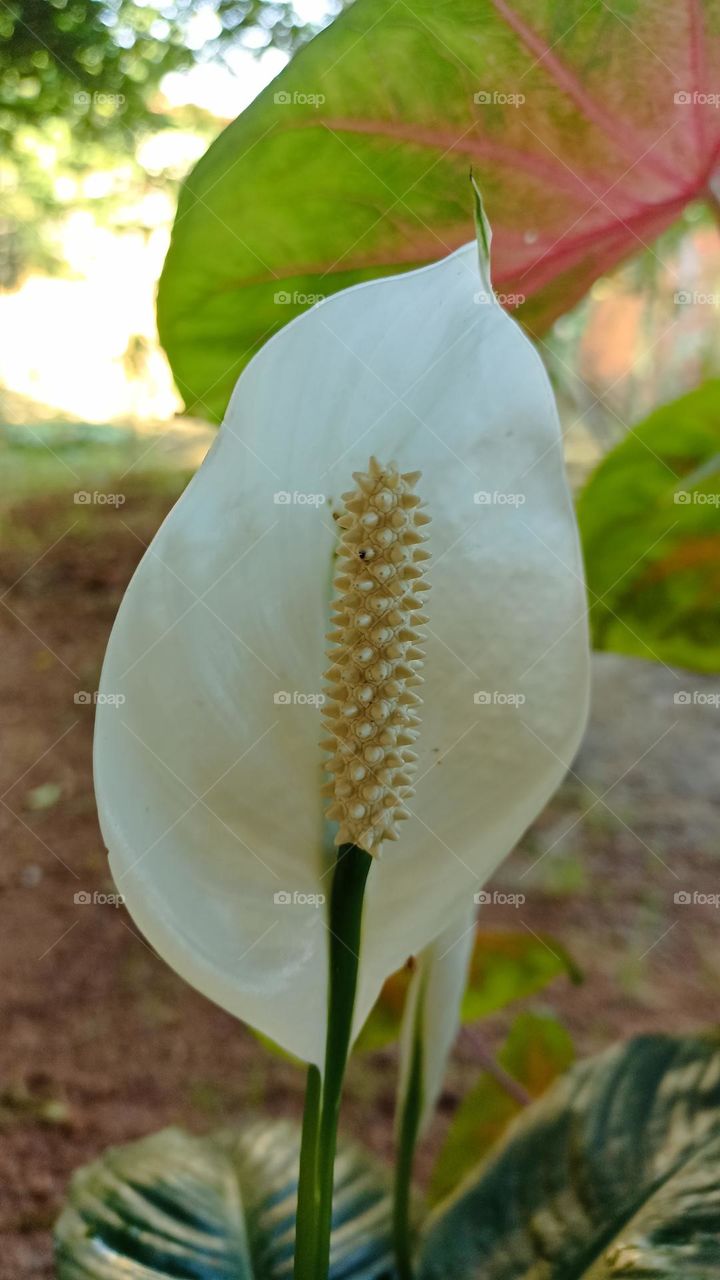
(483, 231)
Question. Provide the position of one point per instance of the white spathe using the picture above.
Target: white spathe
(208, 783)
(432, 1012)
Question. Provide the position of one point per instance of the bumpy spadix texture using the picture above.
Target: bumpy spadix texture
(376, 656)
(209, 775)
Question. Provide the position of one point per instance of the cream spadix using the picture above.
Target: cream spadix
(209, 774)
(375, 658)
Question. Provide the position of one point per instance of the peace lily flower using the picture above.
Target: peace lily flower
(209, 774)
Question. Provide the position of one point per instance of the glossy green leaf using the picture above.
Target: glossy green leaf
(614, 1173)
(177, 1207)
(510, 966)
(537, 1050)
(504, 967)
(589, 127)
(650, 525)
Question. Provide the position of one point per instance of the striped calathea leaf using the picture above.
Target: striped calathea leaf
(177, 1207)
(615, 1172)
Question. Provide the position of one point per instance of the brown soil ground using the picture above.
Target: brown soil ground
(102, 1043)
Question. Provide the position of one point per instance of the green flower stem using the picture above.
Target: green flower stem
(307, 1203)
(407, 1140)
(346, 906)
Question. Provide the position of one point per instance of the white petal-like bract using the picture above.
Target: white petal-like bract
(209, 774)
(431, 1017)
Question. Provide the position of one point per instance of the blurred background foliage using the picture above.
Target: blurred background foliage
(81, 87)
(98, 63)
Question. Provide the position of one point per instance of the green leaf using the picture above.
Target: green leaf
(537, 1050)
(650, 525)
(177, 1207)
(504, 967)
(615, 1172)
(511, 966)
(588, 128)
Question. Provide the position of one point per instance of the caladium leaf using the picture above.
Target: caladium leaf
(650, 523)
(589, 127)
(615, 1172)
(176, 1207)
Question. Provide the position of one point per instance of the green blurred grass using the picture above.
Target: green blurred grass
(60, 459)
